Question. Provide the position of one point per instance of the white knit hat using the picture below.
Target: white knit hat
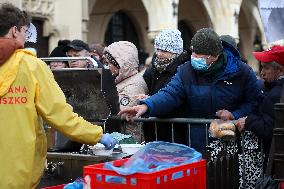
(169, 40)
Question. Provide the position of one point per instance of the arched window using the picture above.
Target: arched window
(120, 28)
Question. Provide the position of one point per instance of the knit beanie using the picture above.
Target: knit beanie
(169, 40)
(206, 42)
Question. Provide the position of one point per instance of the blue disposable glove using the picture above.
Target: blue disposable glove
(108, 141)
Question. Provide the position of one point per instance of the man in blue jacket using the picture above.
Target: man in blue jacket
(215, 82)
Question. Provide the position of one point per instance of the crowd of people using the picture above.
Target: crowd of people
(210, 81)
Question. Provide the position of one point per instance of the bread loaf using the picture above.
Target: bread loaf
(222, 129)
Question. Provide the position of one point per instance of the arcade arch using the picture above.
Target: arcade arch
(250, 32)
(130, 15)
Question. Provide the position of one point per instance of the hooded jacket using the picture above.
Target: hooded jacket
(128, 82)
(28, 93)
(235, 89)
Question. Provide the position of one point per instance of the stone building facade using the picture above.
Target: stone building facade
(139, 21)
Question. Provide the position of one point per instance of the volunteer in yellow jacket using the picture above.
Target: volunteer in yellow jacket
(28, 93)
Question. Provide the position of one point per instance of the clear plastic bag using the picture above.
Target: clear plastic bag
(77, 184)
(156, 156)
(222, 129)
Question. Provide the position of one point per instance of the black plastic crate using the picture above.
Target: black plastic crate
(278, 135)
(278, 167)
(279, 115)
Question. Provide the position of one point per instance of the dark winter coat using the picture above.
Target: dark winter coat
(235, 90)
(156, 81)
(261, 122)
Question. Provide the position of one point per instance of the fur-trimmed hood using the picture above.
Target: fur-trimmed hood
(126, 55)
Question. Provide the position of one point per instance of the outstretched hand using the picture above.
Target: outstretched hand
(129, 113)
(225, 115)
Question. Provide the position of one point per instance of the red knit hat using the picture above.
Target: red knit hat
(275, 53)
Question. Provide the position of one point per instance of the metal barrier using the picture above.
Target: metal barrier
(222, 172)
(277, 156)
(51, 59)
(188, 121)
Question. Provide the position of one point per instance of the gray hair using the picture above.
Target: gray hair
(274, 64)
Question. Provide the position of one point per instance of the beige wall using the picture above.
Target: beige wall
(18, 3)
(68, 19)
(160, 15)
(88, 19)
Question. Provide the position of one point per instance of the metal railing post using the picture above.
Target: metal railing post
(156, 131)
(189, 141)
(207, 136)
(173, 134)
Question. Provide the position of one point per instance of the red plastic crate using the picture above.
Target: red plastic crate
(281, 185)
(55, 187)
(187, 176)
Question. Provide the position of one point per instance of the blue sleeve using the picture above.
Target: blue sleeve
(252, 95)
(167, 98)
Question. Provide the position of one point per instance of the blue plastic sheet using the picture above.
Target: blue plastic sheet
(156, 156)
(77, 184)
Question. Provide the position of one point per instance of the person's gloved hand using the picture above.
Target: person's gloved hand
(108, 141)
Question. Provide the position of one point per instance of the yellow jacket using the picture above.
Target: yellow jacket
(28, 92)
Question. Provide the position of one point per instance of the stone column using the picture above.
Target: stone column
(17, 3)
(162, 14)
(85, 19)
(226, 17)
